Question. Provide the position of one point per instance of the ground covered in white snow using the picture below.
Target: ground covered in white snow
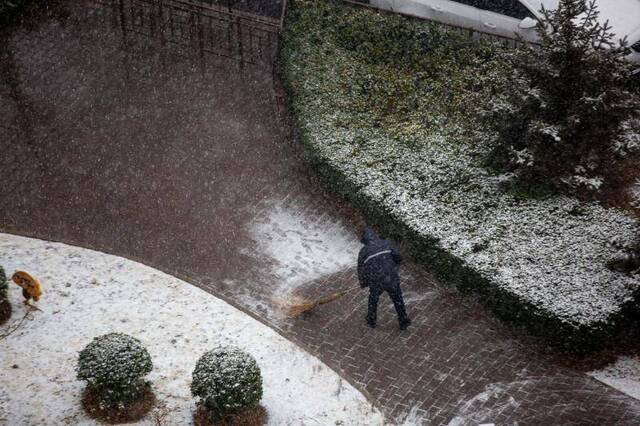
(295, 247)
(392, 134)
(87, 293)
(623, 374)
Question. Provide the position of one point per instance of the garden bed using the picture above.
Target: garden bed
(385, 106)
(88, 294)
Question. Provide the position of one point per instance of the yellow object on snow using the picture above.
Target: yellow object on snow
(31, 288)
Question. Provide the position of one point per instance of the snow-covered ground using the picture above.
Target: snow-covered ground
(624, 375)
(87, 293)
(303, 247)
(299, 246)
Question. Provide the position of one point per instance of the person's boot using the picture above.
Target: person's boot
(404, 324)
(371, 323)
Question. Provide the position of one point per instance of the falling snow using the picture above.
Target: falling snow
(87, 293)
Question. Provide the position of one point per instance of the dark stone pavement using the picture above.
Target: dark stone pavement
(145, 154)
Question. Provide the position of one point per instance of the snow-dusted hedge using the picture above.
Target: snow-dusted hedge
(4, 284)
(114, 365)
(398, 143)
(226, 380)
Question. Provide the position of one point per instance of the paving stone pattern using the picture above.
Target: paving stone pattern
(111, 144)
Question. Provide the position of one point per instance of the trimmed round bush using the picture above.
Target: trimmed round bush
(4, 284)
(113, 366)
(227, 380)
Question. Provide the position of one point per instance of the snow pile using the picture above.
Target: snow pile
(298, 246)
(546, 253)
(414, 418)
(87, 294)
(624, 375)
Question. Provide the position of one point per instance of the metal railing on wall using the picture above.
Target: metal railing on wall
(216, 27)
(205, 28)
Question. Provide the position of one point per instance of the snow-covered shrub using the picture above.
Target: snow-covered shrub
(114, 365)
(381, 39)
(226, 380)
(635, 194)
(420, 175)
(5, 306)
(627, 257)
(565, 116)
(4, 284)
(421, 47)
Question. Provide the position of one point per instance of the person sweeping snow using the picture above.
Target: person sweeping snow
(378, 269)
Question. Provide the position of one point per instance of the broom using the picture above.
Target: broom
(297, 309)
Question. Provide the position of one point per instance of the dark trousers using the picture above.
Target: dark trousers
(396, 298)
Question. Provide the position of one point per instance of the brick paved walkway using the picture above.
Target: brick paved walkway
(143, 155)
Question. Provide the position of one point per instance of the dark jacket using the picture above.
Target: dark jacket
(378, 263)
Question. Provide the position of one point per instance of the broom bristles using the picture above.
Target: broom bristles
(299, 308)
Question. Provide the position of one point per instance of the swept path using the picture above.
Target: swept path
(139, 153)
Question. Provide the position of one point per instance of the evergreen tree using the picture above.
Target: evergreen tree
(567, 115)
